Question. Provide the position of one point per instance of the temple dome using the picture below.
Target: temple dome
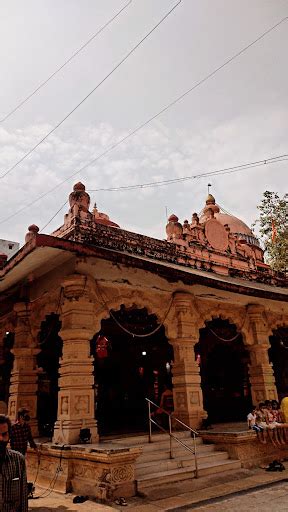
(236, 225)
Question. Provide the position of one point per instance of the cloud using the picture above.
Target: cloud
(158, 152)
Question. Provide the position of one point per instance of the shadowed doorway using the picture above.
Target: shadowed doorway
(128, 369)
(48, 363)
(223, 362)
(6, 366)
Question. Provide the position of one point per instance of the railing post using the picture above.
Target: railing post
(195, 457)
(170, 436)
(150, 425)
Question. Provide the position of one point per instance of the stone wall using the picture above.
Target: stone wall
(103, 473)
(246, 447)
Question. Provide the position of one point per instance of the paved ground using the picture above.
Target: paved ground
(205, 494)
(274, 498)
(64, 503)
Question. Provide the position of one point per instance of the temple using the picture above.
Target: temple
(94, 319)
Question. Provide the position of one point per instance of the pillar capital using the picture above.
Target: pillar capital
(187, 316)
(257, 330)
(78, 286)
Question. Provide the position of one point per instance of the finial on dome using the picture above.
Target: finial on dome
(78, 186)
(208, 186)
(211, 205)
(210, 199)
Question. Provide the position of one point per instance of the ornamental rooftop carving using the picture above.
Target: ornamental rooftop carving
(212, 242)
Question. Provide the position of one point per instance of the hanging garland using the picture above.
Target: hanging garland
(133, 334)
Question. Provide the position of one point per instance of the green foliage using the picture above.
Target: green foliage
(273, 229)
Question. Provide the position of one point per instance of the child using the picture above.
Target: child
(252, 420)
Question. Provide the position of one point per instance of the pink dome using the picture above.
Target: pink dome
(236, 225)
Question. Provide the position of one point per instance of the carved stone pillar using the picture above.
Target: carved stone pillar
(76, 393)
(260, 369)
(24, 375)
(188, 399)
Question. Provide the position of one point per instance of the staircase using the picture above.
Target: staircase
(154, 466)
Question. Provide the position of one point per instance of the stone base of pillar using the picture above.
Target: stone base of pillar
(191, 418)
(68, 431)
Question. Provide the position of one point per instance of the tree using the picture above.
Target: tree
(273, 229)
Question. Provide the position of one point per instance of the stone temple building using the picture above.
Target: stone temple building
(94, 319)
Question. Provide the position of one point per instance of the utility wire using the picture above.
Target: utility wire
(91, 92)
(19, 105)
(226, 170)
(61, 208)
(145, 123)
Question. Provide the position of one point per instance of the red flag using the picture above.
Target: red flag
(274, 231)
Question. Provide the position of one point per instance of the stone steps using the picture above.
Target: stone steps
(185, 461)
(154, 466)
(178, 451)
(173, 476)
(142, 439)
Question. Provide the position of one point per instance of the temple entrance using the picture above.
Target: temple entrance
(223, 362)
(6, 366)
(128, 369)
(48, 361)
(278, 356)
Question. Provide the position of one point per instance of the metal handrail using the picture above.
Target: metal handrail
(194, 433)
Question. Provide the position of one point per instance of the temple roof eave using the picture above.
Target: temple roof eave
(45, 251)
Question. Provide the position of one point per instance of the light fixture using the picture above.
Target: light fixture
(7, 332)
(144, 353)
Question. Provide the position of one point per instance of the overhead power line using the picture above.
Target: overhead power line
(142, 125)
(225, 170)
(55, 214)
(90, 93)
(21, 103)
(155, 116)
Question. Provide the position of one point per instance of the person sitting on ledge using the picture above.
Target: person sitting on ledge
(252, 420)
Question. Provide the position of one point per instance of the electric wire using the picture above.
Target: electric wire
(138, 128)
(47, 223)
(42, 84)
(8, 171)
(227, 170)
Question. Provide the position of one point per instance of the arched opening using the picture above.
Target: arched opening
(48, 361)
(129, 368)
(223, 361)
(6, 365)
(278, 356)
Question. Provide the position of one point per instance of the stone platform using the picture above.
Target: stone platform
(106, 470)
(103, 470)
(243, 444)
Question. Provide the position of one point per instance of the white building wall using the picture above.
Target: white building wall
(8, 247)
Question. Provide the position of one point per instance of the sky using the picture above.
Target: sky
(237, 116)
